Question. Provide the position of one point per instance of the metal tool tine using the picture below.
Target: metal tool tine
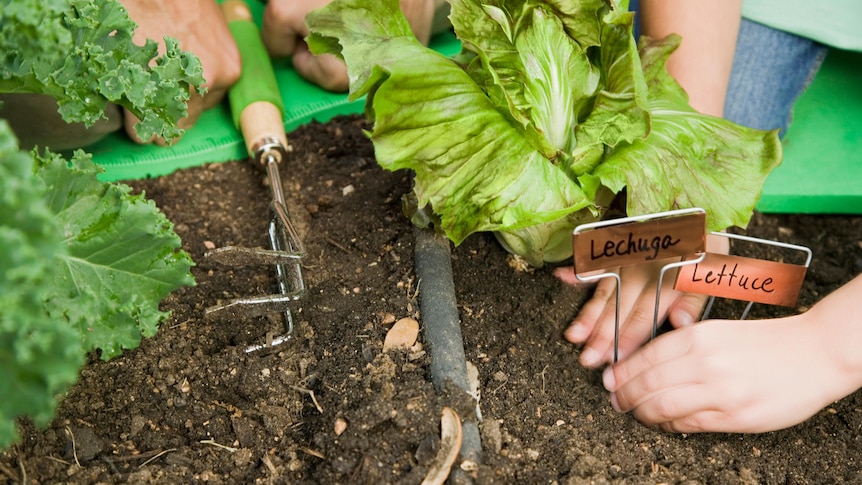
(252, 307)
(291, 241)
(258, 112)
(282, 237)
(242, 256)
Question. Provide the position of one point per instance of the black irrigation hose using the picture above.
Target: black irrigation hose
(442, 326)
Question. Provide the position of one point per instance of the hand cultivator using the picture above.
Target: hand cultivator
(257, 110)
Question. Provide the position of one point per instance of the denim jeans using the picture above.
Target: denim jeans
(771, 69)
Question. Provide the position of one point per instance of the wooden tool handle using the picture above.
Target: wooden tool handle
(255, 99)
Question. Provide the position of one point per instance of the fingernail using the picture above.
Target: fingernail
(577, 333)
(608, 379)
(590, 358)
(614, 403)
(684, 319)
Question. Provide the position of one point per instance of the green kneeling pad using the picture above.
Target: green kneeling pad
(822, 168)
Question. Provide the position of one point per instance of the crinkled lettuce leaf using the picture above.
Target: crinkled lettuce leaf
(689, 159)
(549, 112)
(444, 127)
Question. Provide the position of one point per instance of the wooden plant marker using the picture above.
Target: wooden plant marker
(746, 279)
(600, 246)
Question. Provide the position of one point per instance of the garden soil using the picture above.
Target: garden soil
(191, 405)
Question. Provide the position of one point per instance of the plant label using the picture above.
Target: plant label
(741, 278)
(637, 242)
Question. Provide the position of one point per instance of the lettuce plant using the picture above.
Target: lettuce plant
(84, 263)
(550, 112)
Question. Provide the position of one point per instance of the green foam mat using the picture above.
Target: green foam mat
(822, 168)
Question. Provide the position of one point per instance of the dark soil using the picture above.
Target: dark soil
(191, 405)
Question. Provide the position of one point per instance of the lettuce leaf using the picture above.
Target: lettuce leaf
(461, 145)
(550, 111)
(680, 164)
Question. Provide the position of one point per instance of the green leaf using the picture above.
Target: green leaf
(39, 355)
(689, 159)
(123, 256)
(619, 111)
(548, 113)
(81, 53)
(446, 129)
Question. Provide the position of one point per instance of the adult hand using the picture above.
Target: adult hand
(744, 376)
(200, 28)
(594, 325)
(284, 29)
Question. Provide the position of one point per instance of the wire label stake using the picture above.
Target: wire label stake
(606, 245)
(746, 279)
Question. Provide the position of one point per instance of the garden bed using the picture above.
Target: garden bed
(328, 406)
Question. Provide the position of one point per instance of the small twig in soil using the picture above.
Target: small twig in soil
(58, 460)
(336, 244)
(269, 466)
(313, 453)
(310, 393)
(415, 293)
(218, 445)
(21, 466)
(179, 324)
(74, 445)
(9, 473)
(138, 456)
(157, 455)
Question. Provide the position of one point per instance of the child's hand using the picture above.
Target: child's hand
(744, 376)
(594, 325)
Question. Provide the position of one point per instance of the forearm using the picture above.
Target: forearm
(427, 17)
(839, 324)
(703, 61)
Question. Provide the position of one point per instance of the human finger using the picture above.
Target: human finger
(566, 274)
(647, 388)
(637, 290)
(420, 15)
(686, 409)
(667, 348)
(581, 328)
(326, 70)
(283, 27)
(640, 321)
(686, 309)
